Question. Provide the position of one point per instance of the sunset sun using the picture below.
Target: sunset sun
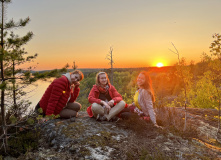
(159, 64)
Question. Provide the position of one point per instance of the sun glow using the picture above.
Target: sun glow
(159, 64)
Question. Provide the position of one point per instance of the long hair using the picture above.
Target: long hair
(148, 84)
(97, 78)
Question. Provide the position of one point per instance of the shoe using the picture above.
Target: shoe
(101, 118)
(114, 119)
(98, 117)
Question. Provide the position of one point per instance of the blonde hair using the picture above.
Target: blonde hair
(97, 78)
(78, 72)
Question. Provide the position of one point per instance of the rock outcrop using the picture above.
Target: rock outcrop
(89, 139)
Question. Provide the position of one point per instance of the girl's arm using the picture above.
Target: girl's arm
(148, 105)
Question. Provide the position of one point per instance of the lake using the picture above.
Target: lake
(38, 91)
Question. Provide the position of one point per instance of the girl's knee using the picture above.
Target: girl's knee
(77, 106)
(122, 103)
(97, 109)
(74, 106)
(95, 106)
(67, 113)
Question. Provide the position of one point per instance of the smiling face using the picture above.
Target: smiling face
(141, 80)
(75, 78)
(103, 79)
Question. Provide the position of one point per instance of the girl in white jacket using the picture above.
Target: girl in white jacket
(144, 98)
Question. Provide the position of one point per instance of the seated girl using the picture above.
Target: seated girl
(143, 99)
(106, 101)
(59, 98)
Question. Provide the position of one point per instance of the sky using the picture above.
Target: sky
(141, 32)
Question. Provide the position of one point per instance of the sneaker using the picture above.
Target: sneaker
(101, 118)
(114, 119)
(98, 117)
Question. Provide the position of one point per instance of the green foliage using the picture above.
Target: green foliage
(40, 110)
(30, 121)
(48, 74)
(177, 102)
(3, 85)
(13, 119)
(165, 84)
(215, 60)
(52, 116)
(1, 56)
(202, 81)
(183, 72)
(39, 117)
(15, 80)
(23, 142)
(203, 94)
(125, 84)
(86, 85)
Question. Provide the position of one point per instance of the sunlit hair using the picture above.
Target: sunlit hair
(98, 76)
(78, 72)
(148, 84)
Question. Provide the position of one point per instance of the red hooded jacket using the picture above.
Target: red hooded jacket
(94, 97)
(56, 96)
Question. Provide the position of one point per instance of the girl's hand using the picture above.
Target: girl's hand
(77, 83)
(106, 106)
(157, 126)
(111, 103)
(131, 105)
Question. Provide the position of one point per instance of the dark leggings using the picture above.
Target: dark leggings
(126, 113)
(70, 110)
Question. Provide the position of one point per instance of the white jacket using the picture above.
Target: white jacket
(146, 104)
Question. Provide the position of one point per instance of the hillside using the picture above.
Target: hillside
(87, 138)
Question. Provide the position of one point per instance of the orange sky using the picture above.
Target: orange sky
(140, 31)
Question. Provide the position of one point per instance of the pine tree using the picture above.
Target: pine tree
(215, 67)
(11, 55)
(14, 57)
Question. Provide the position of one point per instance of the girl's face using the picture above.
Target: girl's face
(141, 80)
(103, 79)
(75, 78)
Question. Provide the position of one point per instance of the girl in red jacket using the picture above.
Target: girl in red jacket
(59, 97)
(106, 101)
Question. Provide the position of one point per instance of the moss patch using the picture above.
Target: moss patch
(74, 130)
(101, 139)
